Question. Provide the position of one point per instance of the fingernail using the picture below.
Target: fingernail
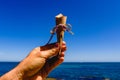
(63, 42)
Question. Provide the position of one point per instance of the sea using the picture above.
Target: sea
(77, 70)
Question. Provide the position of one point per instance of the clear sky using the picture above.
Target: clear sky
(26, 24)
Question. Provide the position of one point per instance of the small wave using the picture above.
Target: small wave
(93, 78)
(81, 78)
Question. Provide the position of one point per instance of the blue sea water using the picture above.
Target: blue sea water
(77, 71)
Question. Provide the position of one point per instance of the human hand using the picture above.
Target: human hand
(41, 60)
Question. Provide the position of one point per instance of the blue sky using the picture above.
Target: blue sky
(26, 24)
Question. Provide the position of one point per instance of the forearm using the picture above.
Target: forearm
(14, 74)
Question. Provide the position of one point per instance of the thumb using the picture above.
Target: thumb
(50, 53)
(49, 50)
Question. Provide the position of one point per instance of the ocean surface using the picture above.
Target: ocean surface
(77, 71)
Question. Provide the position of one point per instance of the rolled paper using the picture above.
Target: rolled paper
(60, 22)
(61, 19)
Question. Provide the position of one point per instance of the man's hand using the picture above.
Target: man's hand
(38, 64)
